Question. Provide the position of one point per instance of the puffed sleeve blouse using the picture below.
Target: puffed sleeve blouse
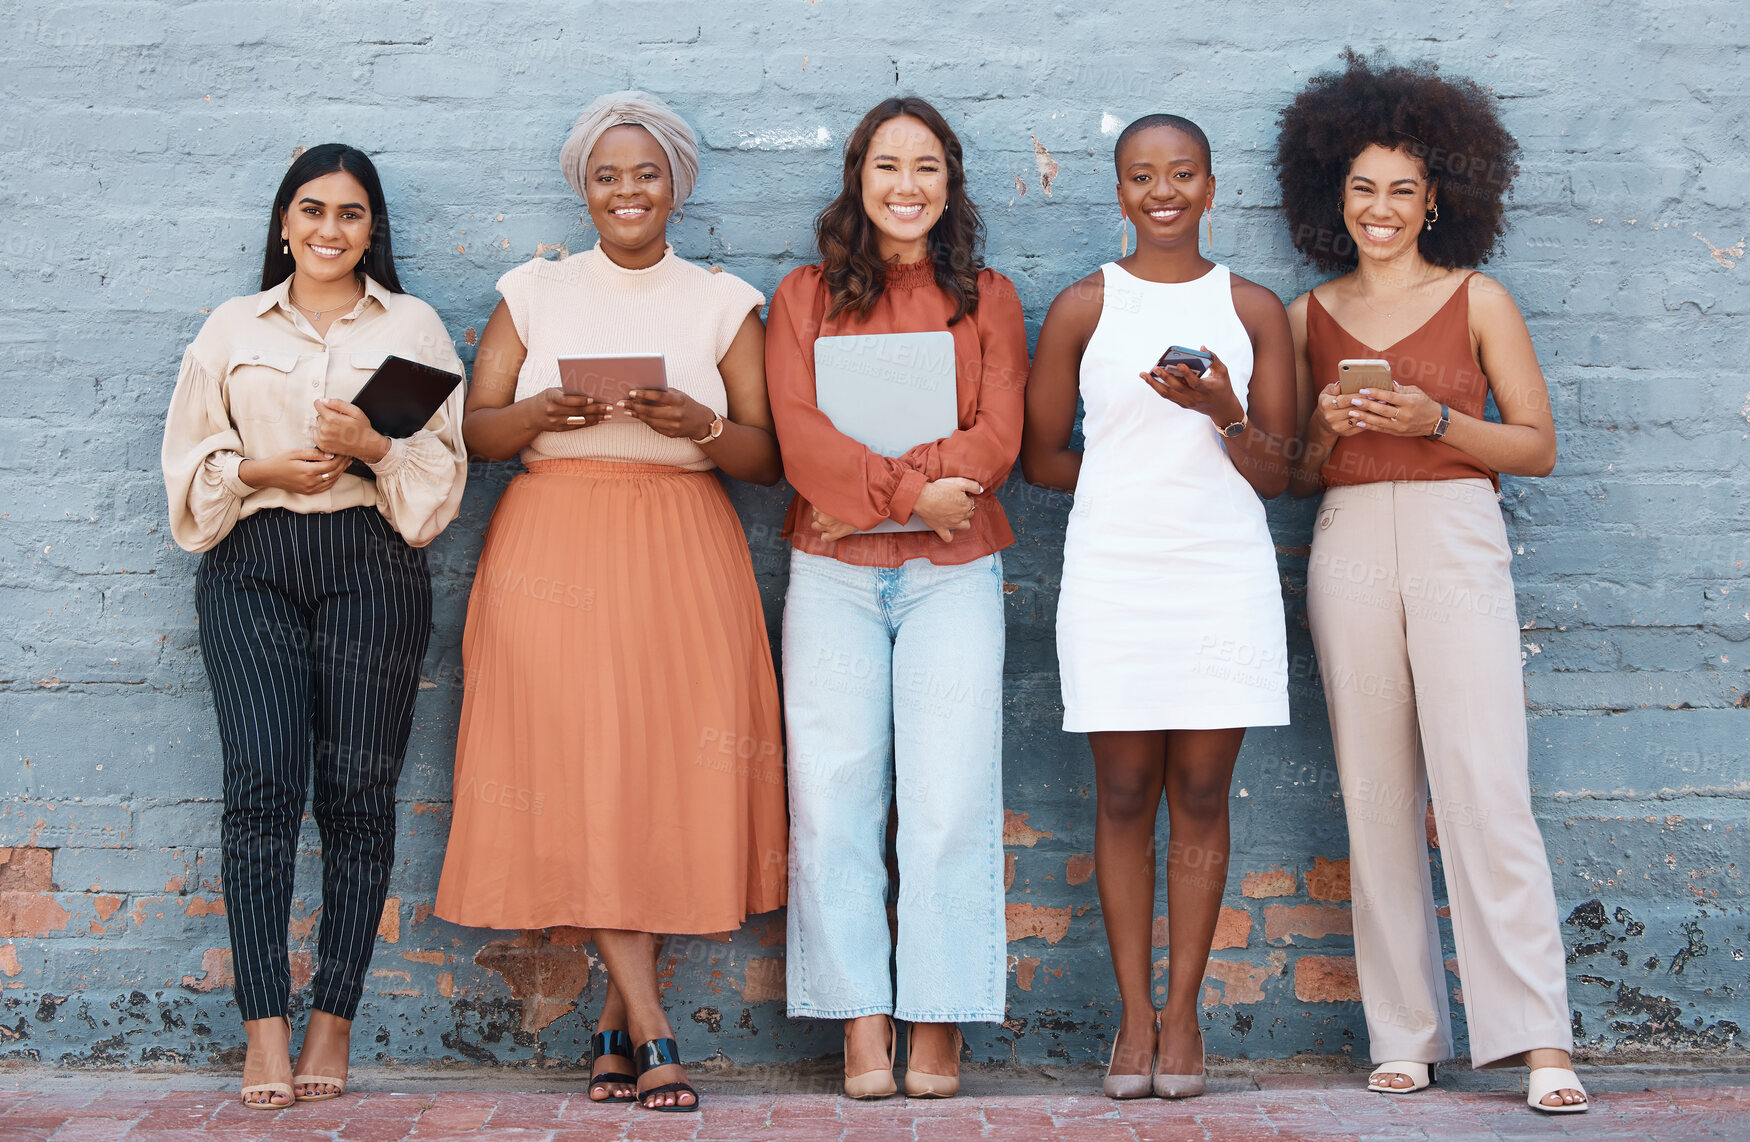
(247, 391)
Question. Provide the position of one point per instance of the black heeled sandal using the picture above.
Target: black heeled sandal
(619, 1044)
(661, 1053)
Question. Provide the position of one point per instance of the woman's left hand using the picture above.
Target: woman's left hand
(668, 411)
(343, 429)
(1211, 394)
(830, 529)
(1403, 411)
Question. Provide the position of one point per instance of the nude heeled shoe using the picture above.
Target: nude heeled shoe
(1128, 1086)
(922, 1084)
(1183, 1086)
(877, 1083)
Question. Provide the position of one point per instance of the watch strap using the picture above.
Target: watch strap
(715, 431)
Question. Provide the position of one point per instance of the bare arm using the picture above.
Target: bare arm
(1047, 460)
(1322, 422)
(494, 425)
(1260, 454)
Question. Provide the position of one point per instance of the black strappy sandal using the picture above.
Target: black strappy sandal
(660, 1053)
(616, 1043)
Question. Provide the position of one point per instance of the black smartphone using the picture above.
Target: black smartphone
(1194, 359)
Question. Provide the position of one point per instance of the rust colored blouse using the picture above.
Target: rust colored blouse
(848, 481)
(1436, 358)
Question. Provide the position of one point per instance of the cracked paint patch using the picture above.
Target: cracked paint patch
(1046, 164)
(1727, 256)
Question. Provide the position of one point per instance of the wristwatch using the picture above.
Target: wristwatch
(714, 433)
(1445, 420)
(1234, 429)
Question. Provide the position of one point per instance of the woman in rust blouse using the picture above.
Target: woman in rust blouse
(893, 641)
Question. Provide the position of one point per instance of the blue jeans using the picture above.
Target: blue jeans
(893, 682)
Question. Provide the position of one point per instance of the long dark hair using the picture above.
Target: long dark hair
(850, 262)
(379, 259)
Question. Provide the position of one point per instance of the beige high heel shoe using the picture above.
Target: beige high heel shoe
(877, 1083)
(1130, 1086)
(1183, 1086)
(922, 1084)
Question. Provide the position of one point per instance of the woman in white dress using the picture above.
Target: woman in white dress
(1170, 632)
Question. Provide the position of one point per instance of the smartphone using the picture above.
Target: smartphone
(1359, 373)
(1194, 359)
(609, 377)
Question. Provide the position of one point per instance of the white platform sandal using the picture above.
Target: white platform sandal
(1545, 1081)
(1419, 1074)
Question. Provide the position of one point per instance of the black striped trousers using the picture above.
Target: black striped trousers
(313, 628)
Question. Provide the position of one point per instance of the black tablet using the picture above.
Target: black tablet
(400, 398)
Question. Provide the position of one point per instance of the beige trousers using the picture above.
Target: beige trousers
(1410, 596)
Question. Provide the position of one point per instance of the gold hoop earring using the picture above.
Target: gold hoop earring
(1430, 218)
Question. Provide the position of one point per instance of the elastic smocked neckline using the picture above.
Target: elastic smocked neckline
(911, 275)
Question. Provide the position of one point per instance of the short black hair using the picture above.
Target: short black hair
(379, 259)
(1148, 123)
(1448, 125)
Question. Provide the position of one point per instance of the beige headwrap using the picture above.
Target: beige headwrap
(618, 107)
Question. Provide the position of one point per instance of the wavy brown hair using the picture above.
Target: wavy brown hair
(850, 261)
(1448, 124)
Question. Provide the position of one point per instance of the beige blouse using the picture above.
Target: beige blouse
(587, 304)
(247, 391)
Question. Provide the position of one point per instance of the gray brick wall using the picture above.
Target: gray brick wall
(142, 142)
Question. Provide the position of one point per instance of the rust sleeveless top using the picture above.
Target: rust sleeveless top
(1437, 359)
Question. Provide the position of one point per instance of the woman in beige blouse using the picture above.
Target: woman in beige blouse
(313, 595)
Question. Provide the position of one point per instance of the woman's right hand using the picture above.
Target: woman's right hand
(301, 471)
(555, 410)
(947, 505)
(1333, 412)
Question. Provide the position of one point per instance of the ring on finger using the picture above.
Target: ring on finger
(577, 420)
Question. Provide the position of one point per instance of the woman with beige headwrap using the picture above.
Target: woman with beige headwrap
(619, 765)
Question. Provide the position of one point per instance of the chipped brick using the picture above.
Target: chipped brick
(1241, 981)
(31, 914)
(424, 957)
(1309, 921)
(27, 869)
(1326, 979)
(1080, 868)
(547, 978)
(389, 927)
(1008, 871)
(1025, 920)
(1025, 966)
(201, 906)
(105, 906)
(1271, 882)
(9, 960)
(1016, 830)
(215, 971)
(1328, 880)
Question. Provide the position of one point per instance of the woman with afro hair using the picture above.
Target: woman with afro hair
(1394, 178)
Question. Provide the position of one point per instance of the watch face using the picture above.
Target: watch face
(1233, 429)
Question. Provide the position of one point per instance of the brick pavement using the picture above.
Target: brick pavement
(102, 1106)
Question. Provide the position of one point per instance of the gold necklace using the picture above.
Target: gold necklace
(1363, 295)
(316, 314)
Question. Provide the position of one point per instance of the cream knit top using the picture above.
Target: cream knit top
(586, 304)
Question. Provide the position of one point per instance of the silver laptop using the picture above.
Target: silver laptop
(889, 392)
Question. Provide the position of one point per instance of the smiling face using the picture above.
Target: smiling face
(328, 226)
(1385, 198)
(1164, 185)
(905, 187)
(630, 194)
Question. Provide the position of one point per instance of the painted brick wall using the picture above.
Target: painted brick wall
(142, 142)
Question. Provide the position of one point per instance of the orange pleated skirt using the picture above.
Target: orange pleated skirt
(620, 761)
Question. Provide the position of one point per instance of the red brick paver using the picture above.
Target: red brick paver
(1302, 1108)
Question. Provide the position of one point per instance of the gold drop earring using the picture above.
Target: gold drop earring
(1123, 235)
(1209, 224)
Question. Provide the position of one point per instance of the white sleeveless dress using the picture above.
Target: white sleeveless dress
(1170, 615)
